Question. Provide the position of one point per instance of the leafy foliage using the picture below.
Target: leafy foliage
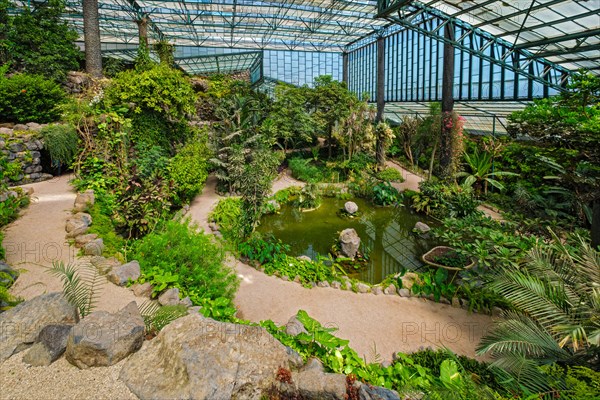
(227, 214)
(291, 120)
(179, 256)
(442, 201)
(481, 173)
(80, 285)
(390, 175)
(29, 98)
(157, 317)
(404, 375)
(159, 89)
(385, 194)
(61, 142)
(307, 272)
(554, 293)
(304, 170)
(262, 250)
(189, 169)
(39, 41)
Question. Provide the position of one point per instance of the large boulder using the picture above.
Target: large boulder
(351, 207)
(103, 339)
(20, 326)
(349, 243)
(51, 344)
(421, 228)
(169, 298)
(122, 274)
(199, 358)
(94, 247)
(78, 221)
(313, 383)
(84, 201)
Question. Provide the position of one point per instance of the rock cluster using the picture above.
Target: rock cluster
(77, 82)
(22, 147)
(20, 327)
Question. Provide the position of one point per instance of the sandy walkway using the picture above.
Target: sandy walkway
(32, 243)
(373, 324)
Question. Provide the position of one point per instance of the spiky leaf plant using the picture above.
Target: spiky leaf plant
(556, 298)
(157, 317)
(80, 285)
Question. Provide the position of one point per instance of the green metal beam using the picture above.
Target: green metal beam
(558, 39)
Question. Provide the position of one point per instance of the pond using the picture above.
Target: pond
(385, 232)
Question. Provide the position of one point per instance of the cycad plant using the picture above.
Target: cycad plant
(555, 296)
(481, 174)
(80, 285)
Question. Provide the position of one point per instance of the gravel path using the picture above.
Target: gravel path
(375, 325)
(32, 243)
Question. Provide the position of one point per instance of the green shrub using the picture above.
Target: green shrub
(29, 98)
(303, 170)
(189, 170)
(150, 160)
(61, 142)
(227, 215)
(159, 89)
(308, 272)
(104, 227)
(262, 250)
(441, 201)
(385, 194)
(390, 175)
(179, 256)
(143, 204)
(37, 40)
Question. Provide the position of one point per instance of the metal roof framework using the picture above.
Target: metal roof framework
(561, 33)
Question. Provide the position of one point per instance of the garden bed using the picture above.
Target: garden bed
(432, 257)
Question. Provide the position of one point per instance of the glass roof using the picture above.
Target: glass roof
(481, 117)
(564, 32)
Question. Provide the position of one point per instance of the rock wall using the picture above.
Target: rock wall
(21, 144)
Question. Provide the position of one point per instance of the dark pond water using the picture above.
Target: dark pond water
(385, 232)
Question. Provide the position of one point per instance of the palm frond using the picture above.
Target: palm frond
(80, 285)
(157, 317)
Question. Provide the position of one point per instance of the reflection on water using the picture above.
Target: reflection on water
(385, 233)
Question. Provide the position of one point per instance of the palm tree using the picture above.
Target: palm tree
(480, 176)
(91, 30)
(556, 316)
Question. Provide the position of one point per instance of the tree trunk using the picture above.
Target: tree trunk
(446, 141)
(91, 32)
(435, 145)
(380, 142)
(596, 224)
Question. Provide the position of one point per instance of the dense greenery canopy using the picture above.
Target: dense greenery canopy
(38, 41)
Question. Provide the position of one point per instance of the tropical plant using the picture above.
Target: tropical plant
(157, 317)
(385, 194)
(80, 285)
(291, 120)
(481, 172)
(354, 132)
(443, 201)
(556, 304)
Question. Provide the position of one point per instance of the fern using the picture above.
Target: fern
(80, 285)
(157, 317)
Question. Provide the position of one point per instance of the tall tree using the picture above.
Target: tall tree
(91, 32)
(41, 42)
